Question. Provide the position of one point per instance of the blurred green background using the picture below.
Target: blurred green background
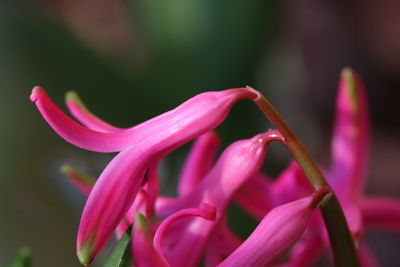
(131, 60)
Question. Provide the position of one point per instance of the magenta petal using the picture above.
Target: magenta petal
(73, 132)
(381, 212)
(144, 253)
(152, 187)
(110, 199)
(205, 211)
(84, 116)
(350, 143)
(198, 162)
(279, 230)
(196, 116)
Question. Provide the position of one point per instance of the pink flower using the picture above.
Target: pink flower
(277, 231)
(141, 148)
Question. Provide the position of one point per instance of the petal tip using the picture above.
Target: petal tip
(72, 96)
(347, 71)
(66, 169)
(36, 91)
(85, 254)
(349, 77)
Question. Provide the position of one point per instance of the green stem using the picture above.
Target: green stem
(344, 252)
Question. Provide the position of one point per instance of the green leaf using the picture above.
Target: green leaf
(121, 255)
(23, 258)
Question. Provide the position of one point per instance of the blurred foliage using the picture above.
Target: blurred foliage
(23, 258)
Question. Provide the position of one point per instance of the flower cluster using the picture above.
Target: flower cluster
(189, 228)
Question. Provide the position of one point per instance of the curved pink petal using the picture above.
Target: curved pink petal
(73, 132)
(205, 211)
(85, 116)
(82, 182)
(152, 188)
(350, 143)
(198, 162)
(381, 212)
(110, 199)
(277, 232)
(143, 250)
(197, 115)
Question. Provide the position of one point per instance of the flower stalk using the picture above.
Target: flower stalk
(343, 248)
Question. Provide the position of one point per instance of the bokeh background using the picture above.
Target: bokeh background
(131, 60)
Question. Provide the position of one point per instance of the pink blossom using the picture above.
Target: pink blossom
(141, 148)
(277, 231)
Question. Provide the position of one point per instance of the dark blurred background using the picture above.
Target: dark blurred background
(131, 60)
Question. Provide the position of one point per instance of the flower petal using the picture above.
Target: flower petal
(198, 162)
(205, 211)
(73, 132)
(144, 253)
(152, 188)
(381, 212)
(85, 116)
(279, 229)
(350, 143)
(196, 116)
(110, 199)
